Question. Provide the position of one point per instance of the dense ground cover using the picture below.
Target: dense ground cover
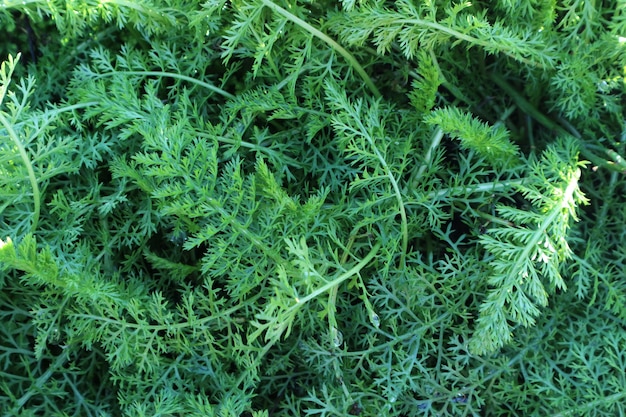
(257, 207)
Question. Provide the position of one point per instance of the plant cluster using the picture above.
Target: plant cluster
(291, 207)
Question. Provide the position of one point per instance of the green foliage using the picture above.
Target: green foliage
(267, 208)
(530, 247)
(492, 143)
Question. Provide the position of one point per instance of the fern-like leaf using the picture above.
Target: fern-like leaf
(493, 143)
(529, 250)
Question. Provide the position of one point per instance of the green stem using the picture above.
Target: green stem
(470, 39)
(29, 167)
(602, 401)
(434, 144)
(331, 42)
(301, 301)
(532, 111)
(171, 75)
(525, 105)
(396, 190)
(486, 187)
(341, 278)
(257, 148)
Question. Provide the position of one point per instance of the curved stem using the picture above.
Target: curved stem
(396, 190)
(29, 167)
(434, 144)
(341, 278)
(472, 40)
(532, 111)
(322, 36)
(171, 75)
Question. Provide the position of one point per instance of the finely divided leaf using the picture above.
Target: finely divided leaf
(527, 253)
